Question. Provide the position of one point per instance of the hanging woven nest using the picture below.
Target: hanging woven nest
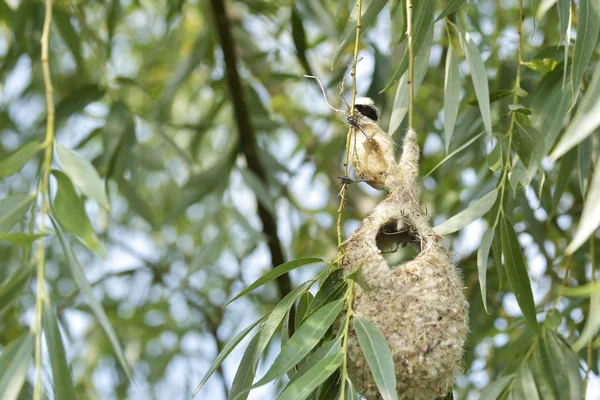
(419, 305)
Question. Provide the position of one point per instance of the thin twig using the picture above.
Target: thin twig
(324, 94)
(411, 65)
(347, 156)
(350, 293)
(43, 189)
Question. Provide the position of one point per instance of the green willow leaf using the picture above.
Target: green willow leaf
(70, 213)
(137, 202)
(327, 350)
(452, 6)
(83, 175)
(15, 161)
(480, 81)
(526, 143)
(274, 273)
(88, 293)
(516, 271)
(61, 375)
(566, 367)
(524, 385)
(311, 379)
(541, 64)
(494, 390)
(494, 159)
(13, 364)
(482, 260)
(585, 121)
(302, 342)
(13, 208)
(451, 94)
(303, 305)
(590, 216)
(14, 284)
(368, 17)
(245, 372)
(379, 356)
(477, 210)
(567, 166)
(564, 14)
(77, 100)
(20, 239)
(494, 97)
(299, 36)
(588, 27)
(455, 152)
(276, 316)
(225, 352)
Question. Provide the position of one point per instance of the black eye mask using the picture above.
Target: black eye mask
(367, 111)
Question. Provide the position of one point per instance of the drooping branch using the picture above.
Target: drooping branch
(247, 136)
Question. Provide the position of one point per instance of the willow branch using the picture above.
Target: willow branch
(43, 189)
(411, 65)
(247, 137)
(347, 156)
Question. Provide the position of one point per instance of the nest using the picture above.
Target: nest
(419, 305)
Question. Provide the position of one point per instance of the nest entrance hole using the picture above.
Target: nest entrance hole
(398, 241)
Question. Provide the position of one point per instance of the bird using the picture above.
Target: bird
(372, 150)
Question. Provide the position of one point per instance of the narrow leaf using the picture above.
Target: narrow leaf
(299, 36)
(77, 100)
(70, 212)
(567, 166)
(61, 375)
(245, 372)
(590, 216)
(524, 385)
(302, 342)
(275, 318)
(452, 6)
(137, 203)
(480, 81)
(451, 94)
(455, 152)
(13, 364)
(516, 270)
(20, 239)
(225, 352)
(482, 260)
(311, 379)
(585, 121)
(14, 284)
(588, 26)
(379, 356)
(541, 64)
(494, 390)
(96, 307)
(15, 161)
(327, 350)
(274, 273)
(13, 208)
(83, 175)
(468, 215)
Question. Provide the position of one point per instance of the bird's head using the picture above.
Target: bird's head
(365, 107)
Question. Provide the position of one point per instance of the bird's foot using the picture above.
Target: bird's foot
(346, 180)
(354, 123)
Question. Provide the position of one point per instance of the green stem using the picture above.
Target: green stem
(347, 156)
(411, 64)
(349, 300)
(43, 189)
